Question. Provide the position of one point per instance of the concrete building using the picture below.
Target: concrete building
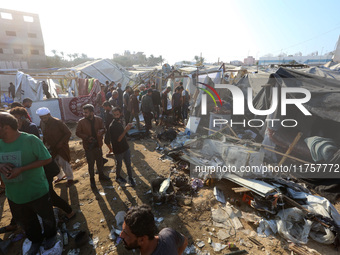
(249, 61)
(307, 60)
(21, 40)
(236, 63)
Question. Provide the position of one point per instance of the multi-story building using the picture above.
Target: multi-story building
(21, 40)
(236, 63)
(249, 61)
(307, 60)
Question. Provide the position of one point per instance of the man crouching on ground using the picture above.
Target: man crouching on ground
(139, 231)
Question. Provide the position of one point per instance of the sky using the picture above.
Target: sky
(221, 30)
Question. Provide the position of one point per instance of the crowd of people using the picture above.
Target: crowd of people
(29, 164)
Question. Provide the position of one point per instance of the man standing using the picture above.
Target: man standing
(27, 103)
(134, 105)
(56, 136)
(139, 232)
(176, 104)
(100, 99)
(114, 99)
(91, 130)
(11, 90)
(120, 146)
(142, 91)
(120, 95)
(164, 100)
(22, 157)
(147, 110)
(126, 101)
(46, 90)
(108, 118)
(156, 100)
(185, 103)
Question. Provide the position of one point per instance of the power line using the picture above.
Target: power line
(309, 39)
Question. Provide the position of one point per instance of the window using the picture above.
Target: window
(35, 52)
(1, 51)
(17, 51)
(6, 15)
(28, 19)
(11, 33)
(32, 35)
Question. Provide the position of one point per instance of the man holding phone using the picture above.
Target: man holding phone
(120, 146)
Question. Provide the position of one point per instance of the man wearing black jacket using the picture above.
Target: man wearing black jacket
(120, 146)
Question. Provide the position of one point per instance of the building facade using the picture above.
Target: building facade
(21, 40)
(236, 63)
(249, 61)
(307, 60)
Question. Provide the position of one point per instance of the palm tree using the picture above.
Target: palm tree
(54, 52)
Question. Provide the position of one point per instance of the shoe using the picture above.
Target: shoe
(103, 177)
(69, 183)
(61, 179)
(34, 249)
(8, 228)
(50, 242)
(120, 180)
(132, 182)
(105, 161)
(71, 215)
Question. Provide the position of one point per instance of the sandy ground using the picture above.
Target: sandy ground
(96, 210)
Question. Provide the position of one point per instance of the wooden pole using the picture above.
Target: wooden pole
(291, 147)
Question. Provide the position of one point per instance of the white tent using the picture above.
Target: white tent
(104, 70)
(26, 86)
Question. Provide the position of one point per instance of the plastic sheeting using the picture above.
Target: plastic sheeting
(325, 93)
(26, 86)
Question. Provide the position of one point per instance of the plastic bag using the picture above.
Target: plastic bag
(292, 225)
(57, 249)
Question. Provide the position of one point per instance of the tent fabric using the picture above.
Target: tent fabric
(322, 149)
(72, 108)
(104, 70)
(26, 86)
(83, 87)
(325, 93)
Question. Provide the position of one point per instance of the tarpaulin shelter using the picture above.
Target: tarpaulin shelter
(104, 70)
(27, 86)
(325, 92)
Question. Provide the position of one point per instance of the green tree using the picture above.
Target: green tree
(199, 60)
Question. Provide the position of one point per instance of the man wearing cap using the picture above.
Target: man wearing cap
(147, 110)
(56, 136)
(91, 130)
